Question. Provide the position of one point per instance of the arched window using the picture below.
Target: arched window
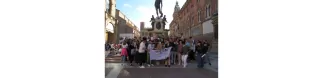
(109, 27)
(208, 11)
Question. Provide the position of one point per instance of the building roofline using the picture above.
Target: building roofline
(185, 4)
(127, 20)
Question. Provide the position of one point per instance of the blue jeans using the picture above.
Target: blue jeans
(200, 60)
(172, 56)
(123, 59)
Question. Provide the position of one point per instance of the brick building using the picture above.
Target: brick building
(194, 19)
(126, 28)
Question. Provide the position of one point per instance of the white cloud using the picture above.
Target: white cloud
(127, 5)
(146, 12)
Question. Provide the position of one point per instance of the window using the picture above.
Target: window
(188, 20)
(199, 16)
(192, 20)
(207, 10)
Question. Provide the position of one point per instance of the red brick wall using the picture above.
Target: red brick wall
(188, 15)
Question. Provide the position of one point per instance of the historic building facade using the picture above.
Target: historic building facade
(117, 25)
(174, 25)
(126, 28)
(194, 19)
(111, 34)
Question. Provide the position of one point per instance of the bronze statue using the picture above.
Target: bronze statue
(152, 22)
(164, 21)
(158, 6)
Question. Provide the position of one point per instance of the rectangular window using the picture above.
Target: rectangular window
(206, 12)
(199, 16)
(209, 9)
(193, 20)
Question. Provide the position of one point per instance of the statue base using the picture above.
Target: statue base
(158, 29)
(158, 24)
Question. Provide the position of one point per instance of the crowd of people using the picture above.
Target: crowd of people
(182, 52)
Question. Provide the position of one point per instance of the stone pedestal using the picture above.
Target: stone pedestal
(158, 28)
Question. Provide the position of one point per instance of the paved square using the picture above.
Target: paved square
(166, 73)
(107, 70)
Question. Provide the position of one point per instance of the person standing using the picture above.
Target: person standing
(107, 48)
(167, 60)
(131, 52)
(124, 52)
(184, 53)
(192, 47)
(174, 51)
(200, 54)
(206, 46)
(142, 53)
(151, 46)
(179, 51)
(137, 43)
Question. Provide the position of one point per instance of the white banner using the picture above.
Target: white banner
(160, 54)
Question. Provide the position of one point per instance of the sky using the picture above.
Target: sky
(142, 10)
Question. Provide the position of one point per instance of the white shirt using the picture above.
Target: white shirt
(193, 45)
(142, 47)
(124, 46)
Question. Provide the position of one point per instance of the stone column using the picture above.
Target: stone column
(116, 32)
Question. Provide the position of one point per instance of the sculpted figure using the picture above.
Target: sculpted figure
(164, 21)
(152, 22)
(158, 6)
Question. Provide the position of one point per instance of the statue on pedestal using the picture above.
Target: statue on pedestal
(164, 20)
(158, 22)
(152, 22)
(158, 6)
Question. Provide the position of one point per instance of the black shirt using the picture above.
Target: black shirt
(206, 47)
(199, 49)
